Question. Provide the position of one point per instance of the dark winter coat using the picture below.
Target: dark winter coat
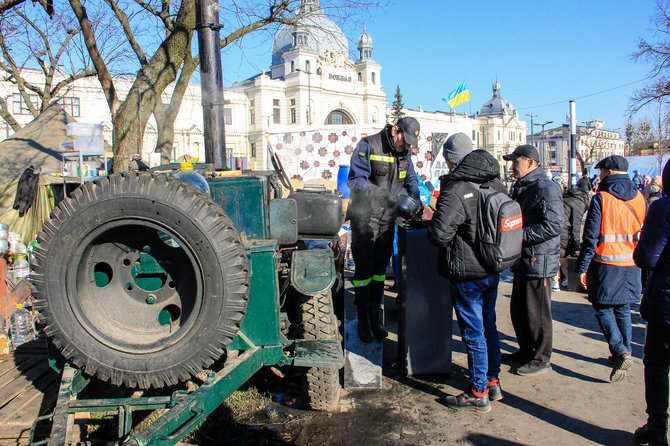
(575, 204)
(26, 190)
(541, 202)
(374, 184)
(607, 284)
(653, 253)
(454, 224)
(584, 183)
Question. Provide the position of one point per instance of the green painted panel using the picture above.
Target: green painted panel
(261, 320)
(243, 199)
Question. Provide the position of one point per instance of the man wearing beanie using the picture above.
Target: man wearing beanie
(473, 290)
(541, 202)
(381, 169)
(605, 264)
(455, 148)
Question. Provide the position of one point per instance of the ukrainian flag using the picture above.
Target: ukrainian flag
(460, 95)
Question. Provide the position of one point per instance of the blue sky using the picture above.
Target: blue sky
(540, 52)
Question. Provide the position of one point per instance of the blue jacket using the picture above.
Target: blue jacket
(377, 176)
(652, 254)
(541, 202)
(607, 284)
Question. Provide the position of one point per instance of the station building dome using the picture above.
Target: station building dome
(320, 34)
(497, 105)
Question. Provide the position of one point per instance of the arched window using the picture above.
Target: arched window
(307, 66)
(360, 76)
(373, 77)
(292, 66)
(338, 117)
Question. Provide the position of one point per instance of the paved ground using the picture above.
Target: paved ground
(573, 404)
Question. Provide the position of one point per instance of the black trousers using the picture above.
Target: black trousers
(371, 255)
(656, 368)
(530, 308)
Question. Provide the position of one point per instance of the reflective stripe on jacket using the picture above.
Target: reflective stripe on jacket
(619, 229)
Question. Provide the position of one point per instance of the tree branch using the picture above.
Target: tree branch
(105, 78)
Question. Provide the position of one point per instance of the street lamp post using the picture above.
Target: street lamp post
(532, 129)
(543, 154)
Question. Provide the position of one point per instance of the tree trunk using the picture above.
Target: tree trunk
(165, 118)
(161, 70)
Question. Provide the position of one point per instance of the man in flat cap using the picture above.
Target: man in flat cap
(541, 202)
(605, 264)
(381, 169)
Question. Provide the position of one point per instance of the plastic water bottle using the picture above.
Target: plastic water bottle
(21, 269)
(21, 326)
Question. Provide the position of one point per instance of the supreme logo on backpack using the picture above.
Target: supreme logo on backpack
(499, 230)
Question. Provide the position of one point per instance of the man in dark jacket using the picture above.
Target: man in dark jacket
(473, 289)
(605, 265)
(381, 169)
(584, 182)
(575, 205)
(541, 204)
(651, 254)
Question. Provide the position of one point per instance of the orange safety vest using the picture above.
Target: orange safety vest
(619, 229)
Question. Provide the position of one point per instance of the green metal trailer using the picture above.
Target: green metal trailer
(144, 281)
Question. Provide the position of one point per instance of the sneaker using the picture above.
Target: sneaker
(644, 436)
(555, 286)
(531, 370)
(621, 364)
(495, 391)
(470, 400)
(517, 356)
(564, 283)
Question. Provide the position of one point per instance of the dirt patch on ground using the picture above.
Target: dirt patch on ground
(573, 404)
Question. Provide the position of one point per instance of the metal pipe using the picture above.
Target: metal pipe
(211, 82)
(572, 167)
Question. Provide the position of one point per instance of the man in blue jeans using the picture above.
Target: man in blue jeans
(605, 265)
(473, 289)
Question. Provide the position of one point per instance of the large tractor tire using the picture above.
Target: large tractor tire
(141, 280)
(319, 322)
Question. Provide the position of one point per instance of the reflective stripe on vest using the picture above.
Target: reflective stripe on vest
(382, 158)
(379, 278)
(619, 229)
(364, 282)
(620, 238)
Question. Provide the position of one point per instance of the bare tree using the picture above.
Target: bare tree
(42, 56)
(167, 57)
(592, 145)
(656, 52)
(639, 135)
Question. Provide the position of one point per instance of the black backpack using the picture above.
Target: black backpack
(499, 230)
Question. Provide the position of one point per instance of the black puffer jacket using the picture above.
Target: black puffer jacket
(541, 202)
(453, 227)
(575, 205)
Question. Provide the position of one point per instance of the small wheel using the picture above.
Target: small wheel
(319, 322)
(141, 280)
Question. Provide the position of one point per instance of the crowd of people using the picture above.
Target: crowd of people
(616, 227)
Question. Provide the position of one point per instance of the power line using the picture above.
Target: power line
(586, 95)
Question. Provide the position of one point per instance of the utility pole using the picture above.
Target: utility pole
(572, 167)
(531, 127)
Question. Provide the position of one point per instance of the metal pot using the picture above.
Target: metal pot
(407, 207)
